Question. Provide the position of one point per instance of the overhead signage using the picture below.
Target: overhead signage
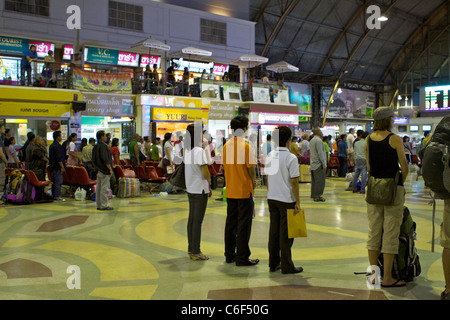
(437, 98)
(150, 60)
(220, 69)
(67, 52)
(12, 45)
(102, 55)
(193, 66)
(128, 59)
(42, 48)
(112, 105)
(274, 119)
(176, 115)
(400, 120)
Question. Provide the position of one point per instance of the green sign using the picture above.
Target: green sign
(103, 55)
(12, 45)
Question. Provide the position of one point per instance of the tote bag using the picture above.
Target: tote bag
(296, 224)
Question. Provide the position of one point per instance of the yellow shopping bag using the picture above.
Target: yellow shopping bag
(296, 224)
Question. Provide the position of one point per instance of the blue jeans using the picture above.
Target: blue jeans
(57, 179)
(360, 169)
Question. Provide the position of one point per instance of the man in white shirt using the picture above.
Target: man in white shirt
(351, 151)
(283, 194)
(318, 166)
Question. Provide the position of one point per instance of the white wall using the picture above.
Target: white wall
(178, 25)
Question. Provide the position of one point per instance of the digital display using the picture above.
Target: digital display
(400, 120)
(426, 128)
(402, 128)
(414, 128)
(436, 98)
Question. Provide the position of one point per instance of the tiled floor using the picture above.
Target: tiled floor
(139, 251)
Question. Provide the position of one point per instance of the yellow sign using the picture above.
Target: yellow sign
(44, 95)
(177, 115)
(30, 109)
(173, 101)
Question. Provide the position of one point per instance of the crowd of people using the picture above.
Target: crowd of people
(381, 154)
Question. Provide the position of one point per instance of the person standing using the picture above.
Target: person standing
(29, 150)
(350, 142)
(343, 156)
(3, 163)
(198, 188)
(29, 56)
(57, 165)
(72, 151)
(318, 166)
(86, 155)
(102, 160)
(282, 194)
(167, 152)
(156, 150)
(134, 151)
(13, 161)
(240, 176)
(384, 151)
(47, 71)
(360, 162)
(115, 152)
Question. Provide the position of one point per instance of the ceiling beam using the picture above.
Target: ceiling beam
(435, 17)
(278, 25)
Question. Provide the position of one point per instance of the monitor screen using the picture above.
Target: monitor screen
(402, 128)
(414, 128)
(426, 127)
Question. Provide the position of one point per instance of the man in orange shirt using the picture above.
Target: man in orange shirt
(239, 166)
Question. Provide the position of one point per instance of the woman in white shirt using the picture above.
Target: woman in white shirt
(197, 186)
(167, 152)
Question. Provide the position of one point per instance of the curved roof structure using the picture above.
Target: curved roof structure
(330, 40)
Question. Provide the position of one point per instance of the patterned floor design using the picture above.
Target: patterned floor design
(69, 251)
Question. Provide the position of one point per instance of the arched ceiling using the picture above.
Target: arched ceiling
(329, 39)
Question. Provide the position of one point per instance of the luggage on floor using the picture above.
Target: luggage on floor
(406, 263)
(25, 193)
(129, 188)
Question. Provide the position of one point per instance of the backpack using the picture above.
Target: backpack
(435, 160)
(14, 179)
(25, 193)
(406, 263)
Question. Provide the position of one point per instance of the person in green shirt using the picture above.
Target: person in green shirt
(134, 151)
(327, 147)
(155, 149)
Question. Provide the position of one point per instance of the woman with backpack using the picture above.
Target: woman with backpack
(384, 151)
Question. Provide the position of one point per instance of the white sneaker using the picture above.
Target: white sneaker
(60, 199)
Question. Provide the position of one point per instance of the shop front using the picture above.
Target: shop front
(265, 118)
(112, 113)
(219, 117)
(41, 111)
(157, 115)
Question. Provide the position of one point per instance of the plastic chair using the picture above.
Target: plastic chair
(141, 173)
(119, 172)
(83, 177)
(152, 174)
(31, 176)
(71, 175)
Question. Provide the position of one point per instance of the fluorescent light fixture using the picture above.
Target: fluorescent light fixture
(383, 18)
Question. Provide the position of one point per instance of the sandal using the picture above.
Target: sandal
(394, 285)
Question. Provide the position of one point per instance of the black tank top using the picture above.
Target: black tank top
(383, 159)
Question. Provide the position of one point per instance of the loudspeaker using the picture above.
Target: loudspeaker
(78, 106)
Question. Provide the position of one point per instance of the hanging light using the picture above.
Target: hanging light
(400, 97)
(339, 90)
(383, 18)
(406, 98)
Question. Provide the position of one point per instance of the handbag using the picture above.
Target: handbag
(381, 191)
(170, 169)
(296, 224)
(178, 177)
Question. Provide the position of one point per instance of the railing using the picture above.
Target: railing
(142, 83)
